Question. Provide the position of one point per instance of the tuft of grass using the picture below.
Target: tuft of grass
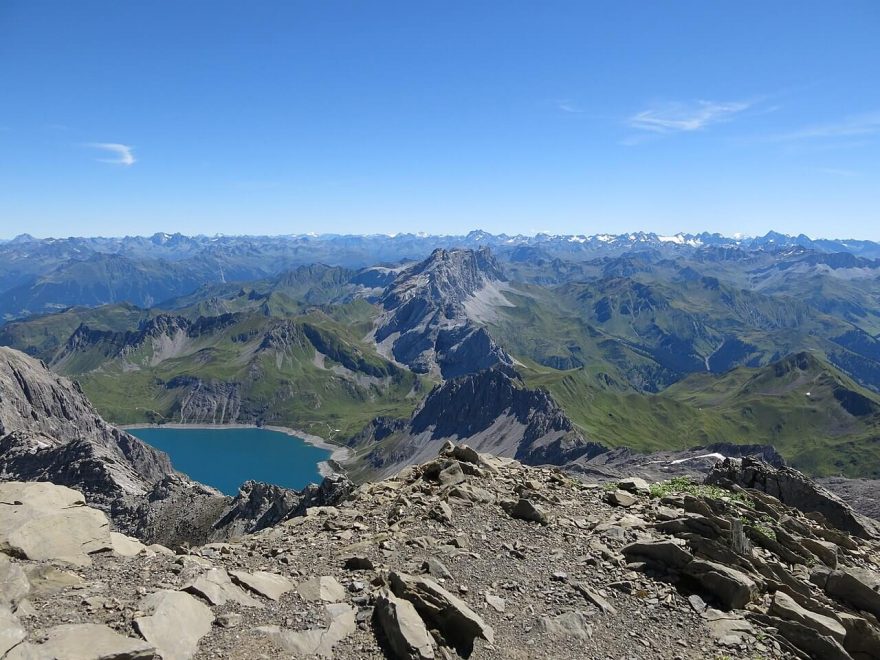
(687, 486)
(762, 528)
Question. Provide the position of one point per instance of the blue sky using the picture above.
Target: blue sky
(571, 117)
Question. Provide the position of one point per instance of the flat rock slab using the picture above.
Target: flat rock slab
(621, 498)
(269, 585)
(728, 628)
(11, 631)
(568, 624)
(125, 546)
(668, 553)
(47, 580)
(316, 641)
(785, 607)
(324, 588)
(634, 485)
(217, 588)
(175, 624)
(84, 641)
(14, 584)
(41, 521)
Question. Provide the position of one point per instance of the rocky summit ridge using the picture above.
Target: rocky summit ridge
(466, 555)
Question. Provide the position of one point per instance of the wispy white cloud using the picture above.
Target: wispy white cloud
(565, 105)
(122, 153)
(853, 126)
(681, 117)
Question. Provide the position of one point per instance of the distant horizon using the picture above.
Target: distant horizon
(422, 234)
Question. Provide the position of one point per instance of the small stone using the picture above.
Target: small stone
(621, 498)
(495, 602)
(634, 485)
(525, 509)
(434, 567)
(229, 620)
(358, 563)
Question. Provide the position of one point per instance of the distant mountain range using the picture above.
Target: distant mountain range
(45, 275)
(544, 348)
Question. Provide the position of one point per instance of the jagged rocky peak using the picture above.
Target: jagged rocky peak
(428, 325)
(446, 277)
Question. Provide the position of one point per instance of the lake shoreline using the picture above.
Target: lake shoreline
(338, 454)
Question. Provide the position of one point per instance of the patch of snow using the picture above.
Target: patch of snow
(715, 455)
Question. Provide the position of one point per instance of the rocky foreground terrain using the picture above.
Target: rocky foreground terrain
(467, 555)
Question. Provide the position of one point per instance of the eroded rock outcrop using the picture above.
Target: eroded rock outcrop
(792, 487)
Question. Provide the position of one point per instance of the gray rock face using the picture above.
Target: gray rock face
(403, 627)
(793, 488)
(50, 432)
(459, 623)
(426, 319)
(733, 588)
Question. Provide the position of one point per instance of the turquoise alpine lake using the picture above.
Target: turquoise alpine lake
(227, 457)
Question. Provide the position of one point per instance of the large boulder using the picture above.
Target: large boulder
(859, 588)
(667, 553)
(785, 607)
(732, 588)
(84, 641)
(404, 630)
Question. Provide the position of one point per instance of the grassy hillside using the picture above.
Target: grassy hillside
(817, 417)
(309, 370)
